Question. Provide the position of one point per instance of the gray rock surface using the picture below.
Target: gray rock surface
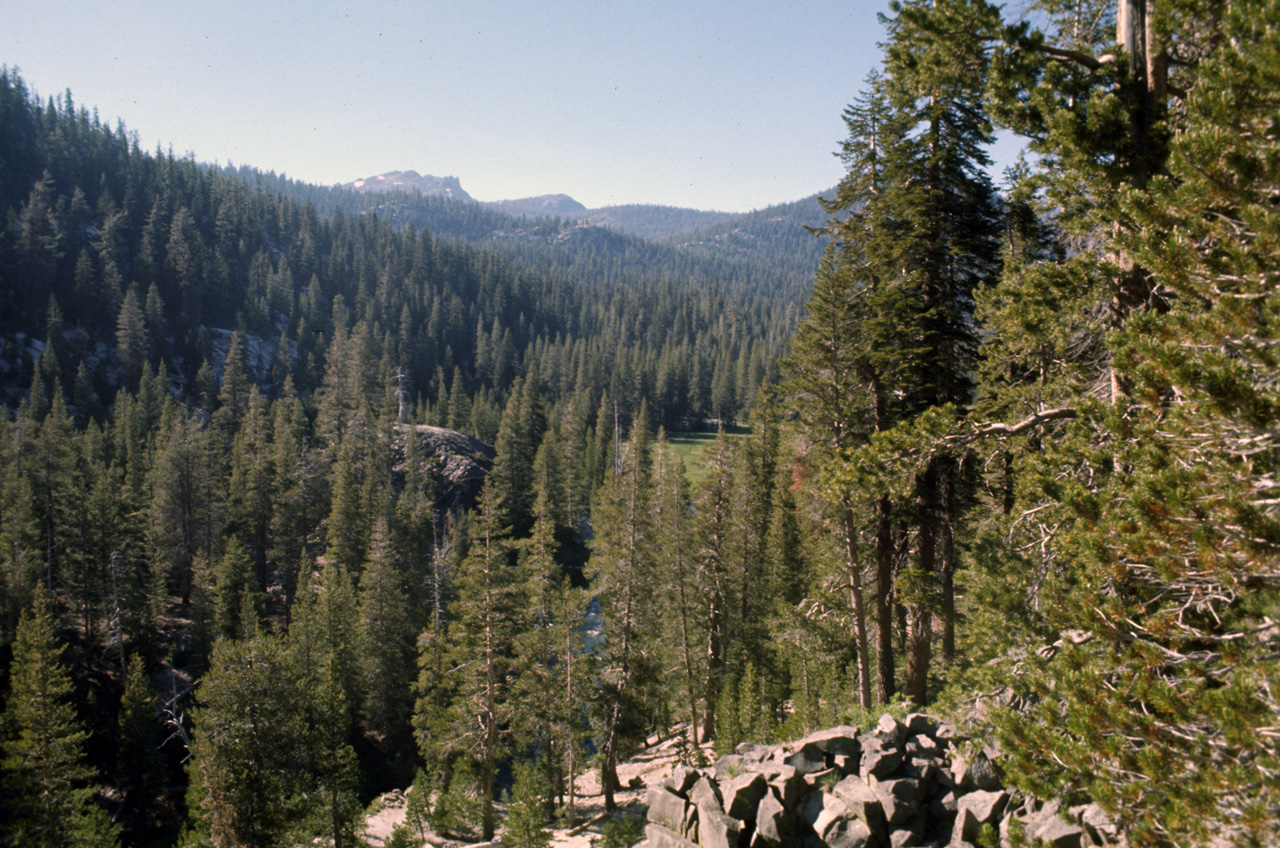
(900, 784)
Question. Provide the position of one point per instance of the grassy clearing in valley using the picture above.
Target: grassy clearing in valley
(691, 445)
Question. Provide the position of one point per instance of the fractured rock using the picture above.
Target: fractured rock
(1049, 826)
(899, 798)
(716, 830)
(841, 740)
(681, 779)
(976, 809)
(890, 730)
(742, 794)
(849, 833)
(666, 808)
(773, 822)
(878, 758)
(863, 803)
(809, 758)
(657, 836)
(985, 775)
(920, 724)
(832, 824)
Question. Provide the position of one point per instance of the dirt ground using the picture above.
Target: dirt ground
(649, 766)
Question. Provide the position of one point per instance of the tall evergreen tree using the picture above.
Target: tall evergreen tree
(486, 617)
(138, 775)
(622, 571)
(387, 658)
(250, 742)
(48, 797)
(1174, 660)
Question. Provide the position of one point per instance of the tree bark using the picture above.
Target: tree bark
(950, 517)
(920, 633)
(857, 601)
(884, 601)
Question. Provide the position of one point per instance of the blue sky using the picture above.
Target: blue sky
(713, 105)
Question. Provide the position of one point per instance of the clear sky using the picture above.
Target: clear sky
(711, 104)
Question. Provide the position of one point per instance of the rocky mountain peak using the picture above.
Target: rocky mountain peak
(410, 181)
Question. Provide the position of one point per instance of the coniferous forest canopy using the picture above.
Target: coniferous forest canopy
(308, 494)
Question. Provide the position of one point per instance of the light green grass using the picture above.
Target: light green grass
(692, 445)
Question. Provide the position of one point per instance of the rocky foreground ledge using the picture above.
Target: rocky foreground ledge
(907, 783)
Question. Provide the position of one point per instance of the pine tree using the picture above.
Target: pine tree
(187, 499)
(714, 557)
(486, 617)
(347, 526)
(239, 603)
(526, 814)
(1173, 659)
(682, 627)
(250, 482)
(138, 767)
(49, 802)
(621, 569)
(233, 396)
(387, 660)
(131, 339)
(891, 312)
(250, 742)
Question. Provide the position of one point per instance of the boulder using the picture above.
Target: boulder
(1050, 827)
(985, 774)
(705, 798)
(841, 740)
(909, 833)
(832, 824)
(716, 830)
(657, 836)
(809, 758)
(773, 822)
(921, 745)
(682, 779)
(666, 808)
(849, 833)
(923, 769)
(1100, 826)
(920, 724)
(742, 794)
(899, 798)
(879, 759)
(863, 803)
(976, 809)
(790, 786)
(890, 730)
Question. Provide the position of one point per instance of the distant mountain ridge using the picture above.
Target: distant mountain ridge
(411, 181)
(645, 220)
(542, 206)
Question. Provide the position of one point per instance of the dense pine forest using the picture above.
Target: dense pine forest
(307, 494)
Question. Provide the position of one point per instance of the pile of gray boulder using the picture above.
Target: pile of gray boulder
(915, 782)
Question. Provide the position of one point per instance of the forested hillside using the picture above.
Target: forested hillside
(1014, 459)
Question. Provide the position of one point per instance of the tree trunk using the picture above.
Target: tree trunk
(884, 601)
(951, 516)
(920, 632)
(920, 635)
(856, 601)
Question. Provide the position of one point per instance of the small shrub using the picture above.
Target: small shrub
(621, 830)
(402, 836)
